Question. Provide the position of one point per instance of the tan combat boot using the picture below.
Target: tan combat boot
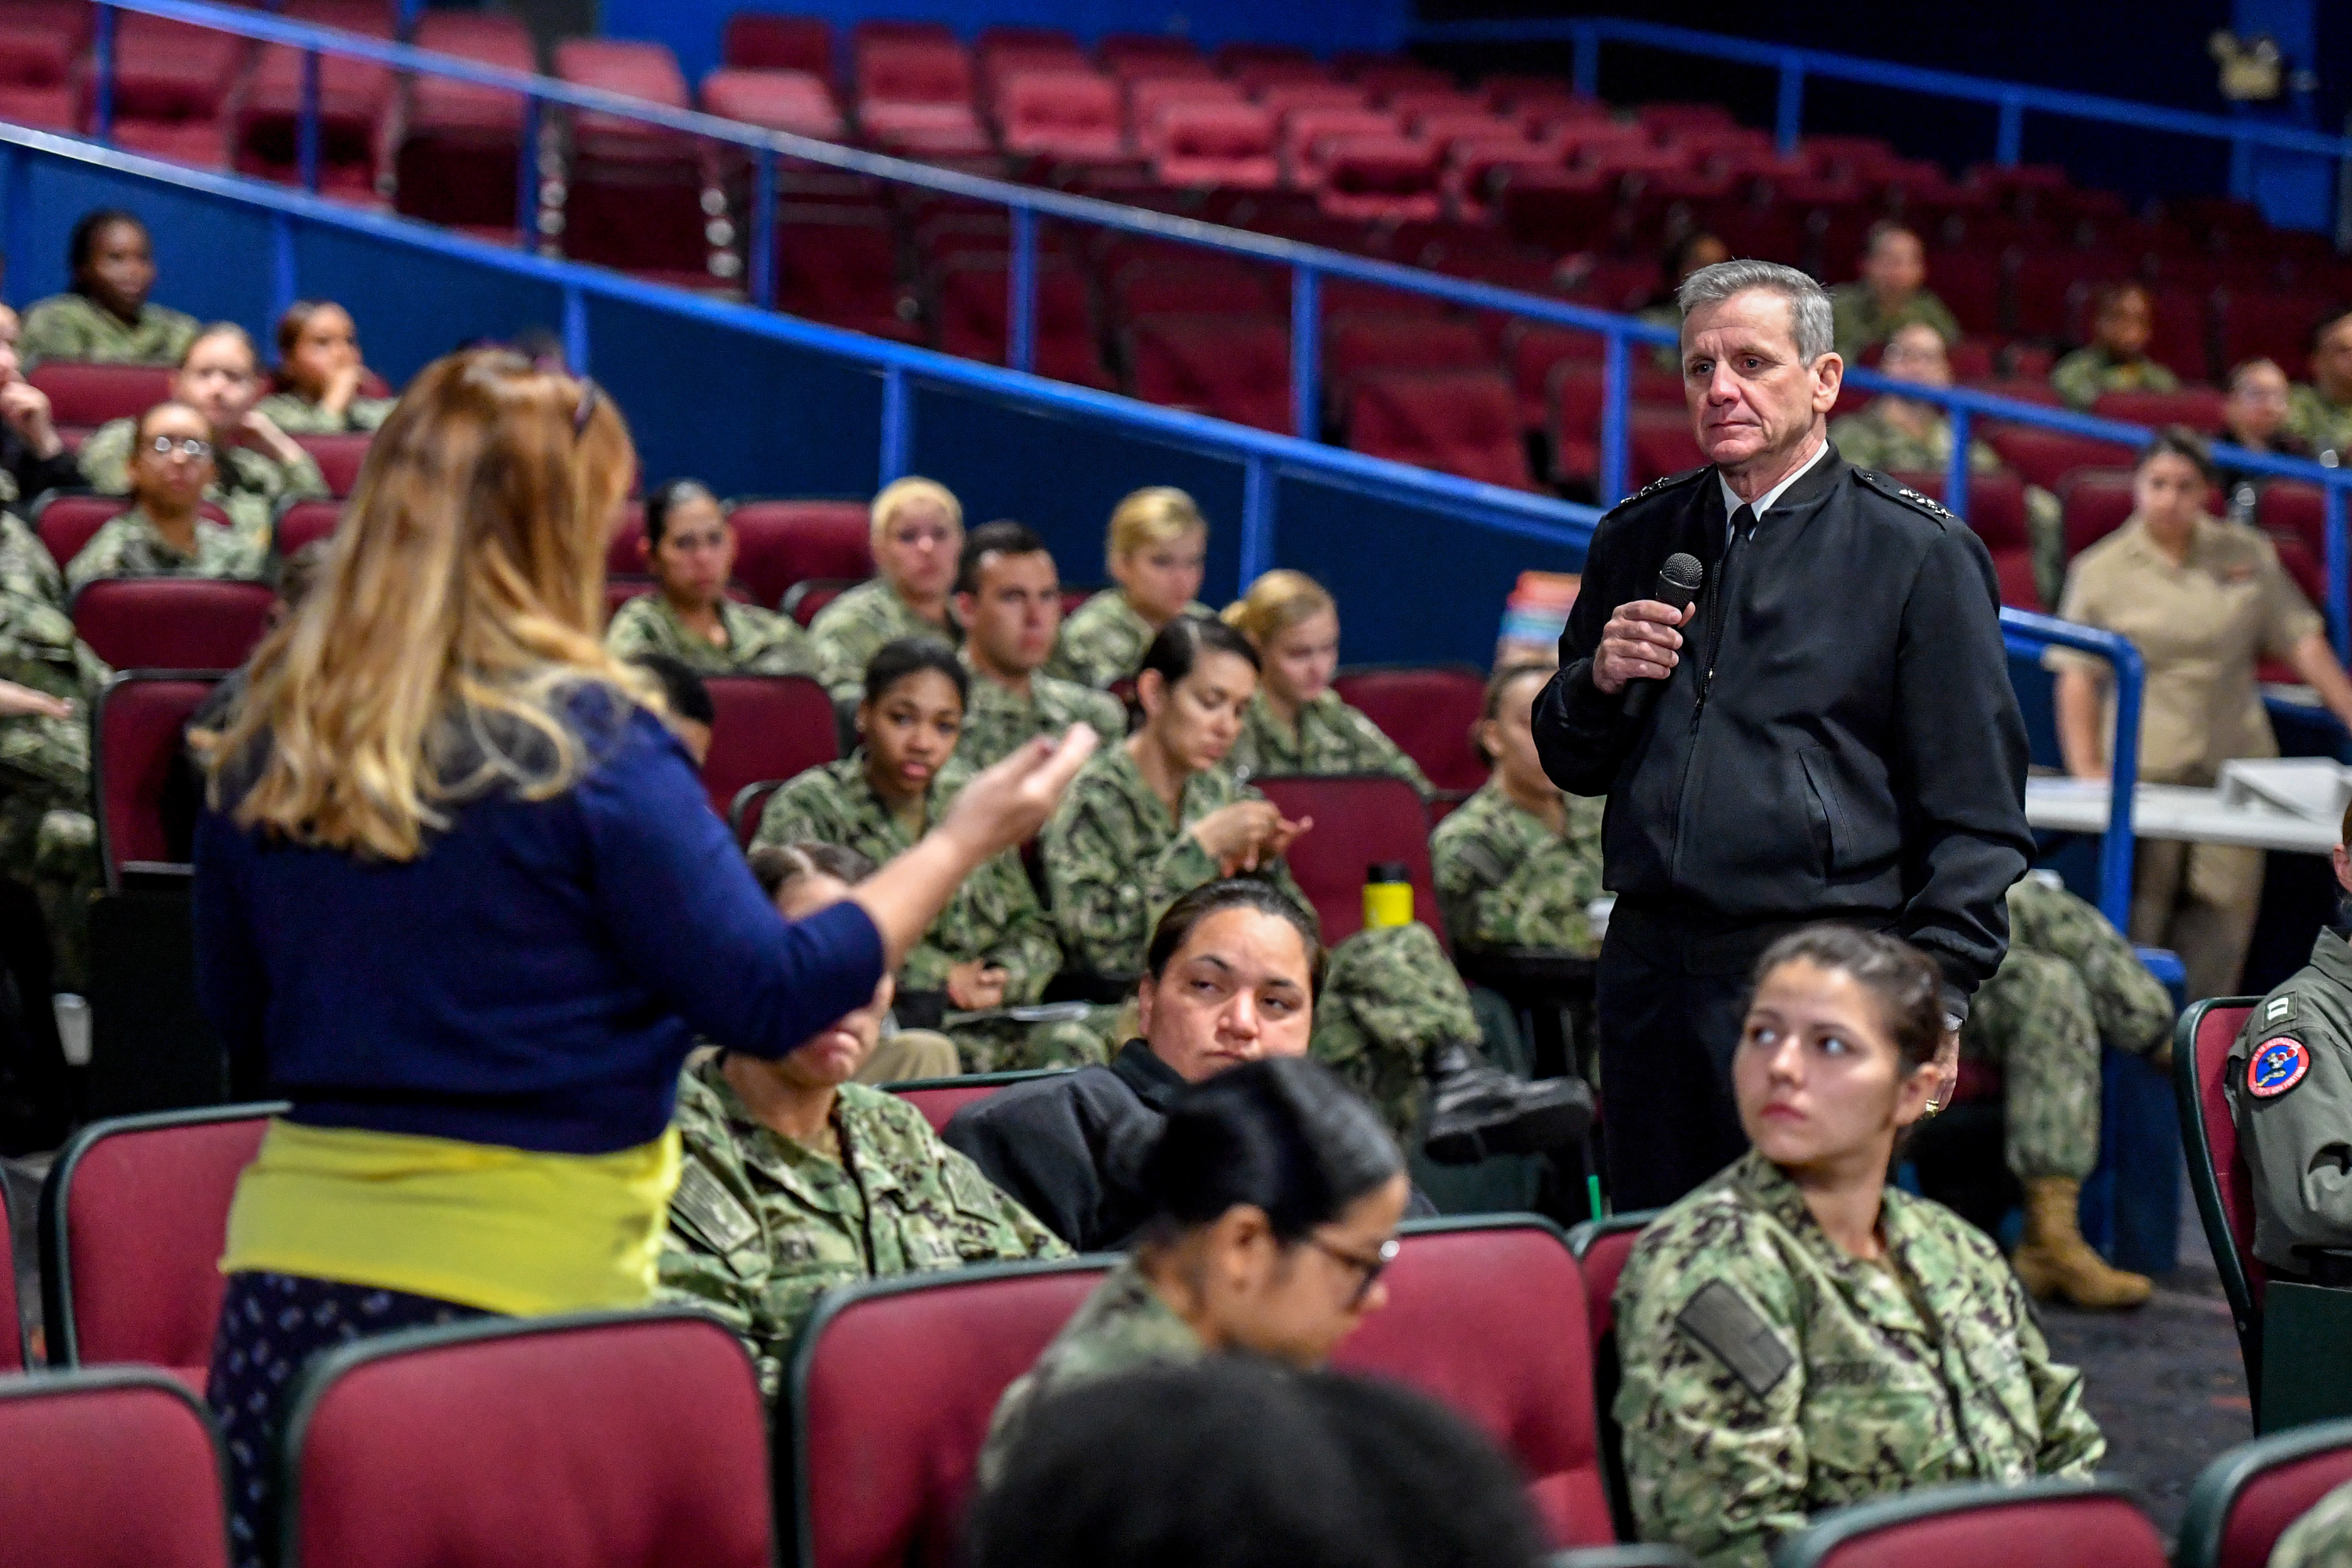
(2054, 1261)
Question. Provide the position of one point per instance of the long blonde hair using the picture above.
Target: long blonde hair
(457, 612)
(1277, 602)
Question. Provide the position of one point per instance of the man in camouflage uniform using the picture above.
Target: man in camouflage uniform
(1771, 1376)
(759, 642)
(2116, 358)
(2069, 984)
(2321, 413)
(1330, 737)
(762, 1224)
(1508, 878)
(1104, 640)
(1008, 600)
(73, 327)
(1891, 293)
(994, 919)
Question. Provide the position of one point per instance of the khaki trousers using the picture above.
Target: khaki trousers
(2200, 900)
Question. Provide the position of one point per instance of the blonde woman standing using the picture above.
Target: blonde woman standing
(459, 899)
(1154, 550)
(1296, 723)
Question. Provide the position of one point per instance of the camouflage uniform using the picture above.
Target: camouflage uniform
(2082, 376)
(2325, 426)
(997, 720)
(27, 570)
(247, 484)
(762, 1224)
(852, 630)
(298, 416)
(993, 916)
(2069, 981)
(1329, 738)
(1769, 1376)
(1505, 880)
(2322, 1538)
(68, 326)
(1122, 1326)
(1858, 322)
(49, 838)
(1104, 640)
(129, 546)
(1869, 440)
(759, 642)
(1115, 862)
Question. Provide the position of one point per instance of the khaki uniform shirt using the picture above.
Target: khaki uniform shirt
(759, 642)
(2082, 376)
(1858, 322)
(247, 484)
(851, 630)
(129, 546)
(1330, 737)
(1769, 1376)
(2202, 627)
(298, 416)
(69, 327)
(2294, 1112)
(1104, 640)
(998, 720)
(1506, 878)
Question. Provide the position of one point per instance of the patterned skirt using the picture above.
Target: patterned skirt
(271, 1327)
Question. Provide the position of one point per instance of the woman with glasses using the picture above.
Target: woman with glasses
(1275, 1197)
(165, 533)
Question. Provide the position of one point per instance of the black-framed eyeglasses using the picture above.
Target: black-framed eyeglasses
(186, 445)
(1371, 1268)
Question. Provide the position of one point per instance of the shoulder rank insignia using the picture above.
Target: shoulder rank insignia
(2277, 1065)
(2277, 1009)
(1904, 494)
(1669, 482)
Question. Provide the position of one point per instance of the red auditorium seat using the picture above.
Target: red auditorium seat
(1303, 131)
(1360, 820)
(133, 1217)
(972, 315)
(635, 1437)
(2245, 1499)
(2272, 324)
(1385, 179)
(624, 552)
(792, 101)
(1996, 513)
(1461, 422)
(355, 99)
(340, 457)
(1428, 710)
(2199, 407)
(2097, 501)
(781, 541)
(1472, 165)
(755, 41)
(1357, 346)
(84, 395)
(2201, 1043)
(2043, 287)
(2296, 509)
(840, 266)
(173, 75)
(1201, 285)
(301, 523)
(140, 751)
(1562, 209)
(1231, 367)
(460, 151)
(1147, 48)
(1573, 401)
(102, 1469)
(1227, 144)
(1659, 443)
(807, 600)
(2046, 457)
(912, 70)
(2038, 1524)
(767, 727)
(1148, 100)
(40, 42)
(172, 622)
(1070, 115)
(634, 198)
(938, 1099)
(1280, 98)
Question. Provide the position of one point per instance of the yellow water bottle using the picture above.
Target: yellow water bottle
(1388, 894)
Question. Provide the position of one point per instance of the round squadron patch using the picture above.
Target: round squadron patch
(2276, 1066)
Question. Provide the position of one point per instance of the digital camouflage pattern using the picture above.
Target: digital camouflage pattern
(1769, 1376)
(759, 642)
(998, 720)
(1858, 322)
(1505, 878)
(2069, 983)
(1123, 1325)
(2082, 376)
(762, 1224)
(67, 326)
(993, 916)
(298, 416)
(1330, 737)
(2297, 1142)
(1870, 440)
(247, 484)
(851, 630)
(2325, 426)
(129, 546)
(1390, 999)
(2322, 1538)
(27, 570)
(1103, 641)
(49, 838)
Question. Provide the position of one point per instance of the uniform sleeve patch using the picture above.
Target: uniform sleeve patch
(1719, 1318)
(2277, 1065)
(710, 1211)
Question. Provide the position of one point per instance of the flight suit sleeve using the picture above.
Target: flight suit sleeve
(2297, 1142)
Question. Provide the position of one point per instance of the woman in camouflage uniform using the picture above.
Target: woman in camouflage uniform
(166, 533)
(319, 373)
(1296, 723)
(917, 534)
(1156, 542)
(796, 1179)
(107, 316)
(691, 546)
(1275, 1196)
(1797, 1335)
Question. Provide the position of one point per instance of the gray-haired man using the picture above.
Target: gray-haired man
(1834, 736)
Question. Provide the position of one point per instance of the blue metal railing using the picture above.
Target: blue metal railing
(2030, 635)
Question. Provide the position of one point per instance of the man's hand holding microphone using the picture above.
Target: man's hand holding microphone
(1642, 638)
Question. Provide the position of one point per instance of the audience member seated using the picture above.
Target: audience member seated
(2116, 358)
(691, 547)
(917, 537)
(2069, 984)
(106, 315)
(1008, 600)
(49, 839)
(1892, 292)
(993, 948)
(1296, 723)
(1904, 435)
(164, 534)
(1272, 1200)
(2297, 1135)
(1247, 1463)
(319, 373)
(2321, 1538)
(797, 1178)
(1154, 550)
(2202, 600)
(1161, 814)
(2255, 416)
(33, 458)
(1686, 256)
(1797, 1334)
(1518, 865)
(255, 464)
(2321, 413)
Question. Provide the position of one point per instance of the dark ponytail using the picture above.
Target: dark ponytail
(1283, 1135)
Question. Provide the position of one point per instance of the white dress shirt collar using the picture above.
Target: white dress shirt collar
(1765, 502)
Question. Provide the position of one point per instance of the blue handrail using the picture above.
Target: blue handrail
(2030, 636)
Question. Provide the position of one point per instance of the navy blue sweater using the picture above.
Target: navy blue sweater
(535, 977)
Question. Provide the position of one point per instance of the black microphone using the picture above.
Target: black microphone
(1678, 585)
